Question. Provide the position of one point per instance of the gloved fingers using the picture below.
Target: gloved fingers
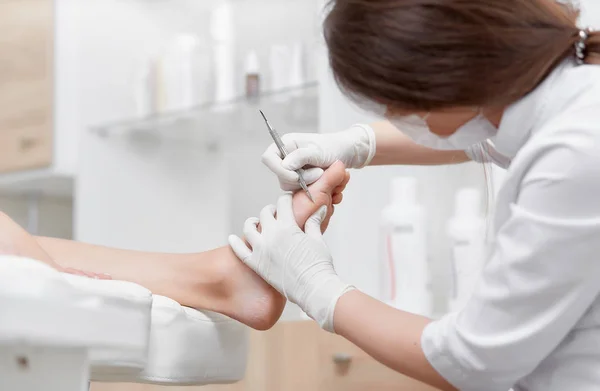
(289, 141)
(274, 163)
(241, 250)
(285, 209)
(272, 150)
(251, 231)
(314, 222)
(309, 156)
(293, 141)
(288, 179)
(311, 175)
(267, 217)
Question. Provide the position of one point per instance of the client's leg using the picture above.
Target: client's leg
(244, 295)
(215, 280)
(14, 240)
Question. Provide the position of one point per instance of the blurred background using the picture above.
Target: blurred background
(135, 124)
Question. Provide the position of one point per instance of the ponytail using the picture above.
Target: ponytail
(592, 48)
(585, 42)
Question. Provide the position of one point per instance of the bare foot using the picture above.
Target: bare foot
(247, 297)
(328, 190)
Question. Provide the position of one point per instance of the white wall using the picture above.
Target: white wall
(66, 116)
(590, 13)
(165, 196)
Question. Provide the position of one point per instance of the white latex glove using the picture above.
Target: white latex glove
(354, 147)
(297, 264)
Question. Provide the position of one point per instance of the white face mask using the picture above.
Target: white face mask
(475, 131)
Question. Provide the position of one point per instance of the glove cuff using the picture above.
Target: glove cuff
(365, 145)
(325, 300)
(329, 325)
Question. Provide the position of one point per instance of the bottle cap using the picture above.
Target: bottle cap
(404, 191)
(252, 63)
(468, 203)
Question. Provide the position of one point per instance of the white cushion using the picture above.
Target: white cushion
(126, 295)
(133, 336)
(190, 347)
(40, 307)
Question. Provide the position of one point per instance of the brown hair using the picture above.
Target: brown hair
(424, 55)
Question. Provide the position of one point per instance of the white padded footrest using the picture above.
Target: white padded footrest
(133, 336)
(49, 327)
(126, 362)
(40, 307)
(190, 347)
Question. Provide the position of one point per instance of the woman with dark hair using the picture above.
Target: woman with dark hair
(513, 82)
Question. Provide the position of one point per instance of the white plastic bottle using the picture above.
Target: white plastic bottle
(280, 62)
(253, 78)
(467, 232)
(145, 89)
(188, 48)
(223, 36)
(180, 73)
(404, 245)
(297, 69)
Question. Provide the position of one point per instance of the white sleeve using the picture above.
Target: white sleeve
(543, 275)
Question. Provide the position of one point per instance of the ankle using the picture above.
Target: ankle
(204, 281)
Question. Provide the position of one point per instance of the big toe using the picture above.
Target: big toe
(333, 177)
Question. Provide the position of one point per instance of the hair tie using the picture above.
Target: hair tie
(581, 46)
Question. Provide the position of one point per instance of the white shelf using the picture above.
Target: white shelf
(293, 110)
(44, 182)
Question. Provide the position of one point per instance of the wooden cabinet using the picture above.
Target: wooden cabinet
(26, 84)
(300, 357)
(345, 367)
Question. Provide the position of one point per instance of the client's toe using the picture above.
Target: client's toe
(333, 178)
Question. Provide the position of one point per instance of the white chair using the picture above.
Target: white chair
(58, 332)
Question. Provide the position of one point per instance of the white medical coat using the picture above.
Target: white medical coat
(533, 322)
